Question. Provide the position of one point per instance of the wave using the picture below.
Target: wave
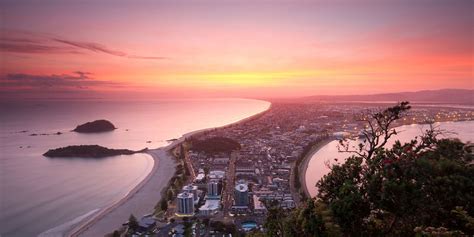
(60, 231)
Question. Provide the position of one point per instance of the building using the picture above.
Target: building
(210, 207)
(258, 206)
(216, 174)
(213, 189)
(192, 189)
(220, 161)
(185, 204)
(200, 178)
(241, 195)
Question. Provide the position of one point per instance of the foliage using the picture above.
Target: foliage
(132, 223)
(169, 195)
(163, 205)
(116, 233)
(312, 219)
(87, 151)
(275, 224)
(223, 227)
(188, 229)
(255, 233)
(215, 145)
(383, 191)
(379, 131)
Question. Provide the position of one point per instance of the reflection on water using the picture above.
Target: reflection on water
(317, 166)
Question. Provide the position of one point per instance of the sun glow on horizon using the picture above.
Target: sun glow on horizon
(236, 48)
(247, 78)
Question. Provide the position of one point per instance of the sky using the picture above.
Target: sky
(229, 48)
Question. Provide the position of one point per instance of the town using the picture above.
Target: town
(229, 174)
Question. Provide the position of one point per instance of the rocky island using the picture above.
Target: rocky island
(96, 126)
(88, 151)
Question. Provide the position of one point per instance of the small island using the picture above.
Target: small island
(96, 126)
(88, 151)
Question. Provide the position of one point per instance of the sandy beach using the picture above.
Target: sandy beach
(304, 165)
(139, 201)
(176, 142)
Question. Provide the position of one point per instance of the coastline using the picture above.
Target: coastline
(305, 162)
(139, 201)
(143, 197)
(178, 141)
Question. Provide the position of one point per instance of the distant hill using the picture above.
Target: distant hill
(450, 96)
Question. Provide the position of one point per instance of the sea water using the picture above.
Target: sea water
(47, 196)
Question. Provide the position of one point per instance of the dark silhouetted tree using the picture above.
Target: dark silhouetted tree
(132, 223)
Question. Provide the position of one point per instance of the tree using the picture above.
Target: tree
(132, 223)
(274, 223)
(164, 205)
(379, 131)
(181, 152)
(311, 219)
(256, 233)
(188, 229)
(312, 223)
(224, 227)
(169, 194)
(380, 191)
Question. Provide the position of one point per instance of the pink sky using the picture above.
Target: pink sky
(233, 48)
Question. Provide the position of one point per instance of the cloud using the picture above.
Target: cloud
(92, 47)
(103, 49)
(32, 43)
(21, 42)
(78, 80)
(33, 48)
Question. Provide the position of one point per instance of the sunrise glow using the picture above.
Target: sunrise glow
(235, 48)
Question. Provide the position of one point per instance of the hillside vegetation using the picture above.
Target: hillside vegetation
(215, 145)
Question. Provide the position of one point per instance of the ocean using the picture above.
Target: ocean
(317, 167)
(43, 196)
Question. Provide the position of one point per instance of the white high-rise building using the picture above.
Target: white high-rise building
(185, 204)
(213, 189)
(192, 189)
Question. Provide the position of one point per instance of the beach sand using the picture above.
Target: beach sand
(140, 201)
(304, 165)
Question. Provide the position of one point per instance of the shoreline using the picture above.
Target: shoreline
(303, 167)
(163, 163)
(185, 136)
(118, 213)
